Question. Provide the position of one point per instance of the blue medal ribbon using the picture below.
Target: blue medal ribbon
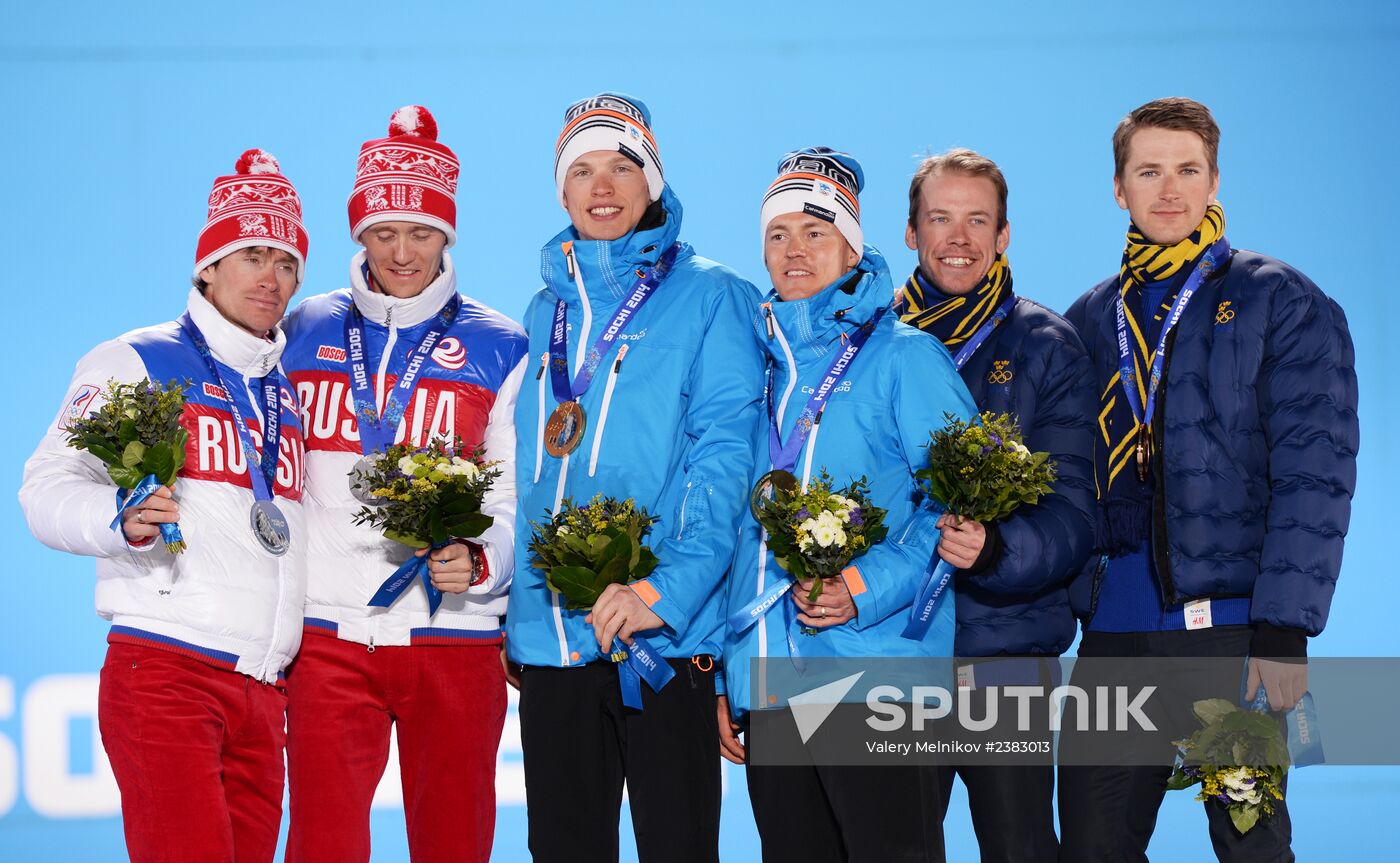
(971, 345)
(642, 663)
(395, 584)
(1214, 256)
(1304, 731)
(743, 619)
(378, 429)
(264, 479)
(127, 498)
(646, 285)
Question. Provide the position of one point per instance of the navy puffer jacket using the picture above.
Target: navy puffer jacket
(1259, 437)
(1035, 367)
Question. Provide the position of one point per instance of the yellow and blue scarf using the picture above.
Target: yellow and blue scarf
(954, 320)
(1125, 501)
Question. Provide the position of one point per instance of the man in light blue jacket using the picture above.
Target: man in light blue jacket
(892, 393)
(668, 421)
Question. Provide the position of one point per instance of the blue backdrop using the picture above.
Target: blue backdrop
(116, 120)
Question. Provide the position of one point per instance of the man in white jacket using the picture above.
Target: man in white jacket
(400, 357)
(190, 706)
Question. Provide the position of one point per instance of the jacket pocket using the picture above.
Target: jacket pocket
(607, 405)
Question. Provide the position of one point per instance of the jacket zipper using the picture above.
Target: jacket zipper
(603, 415)
(539, 426)
(689, 486)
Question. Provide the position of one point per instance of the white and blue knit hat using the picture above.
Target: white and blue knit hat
(609, 121)
(821, 182)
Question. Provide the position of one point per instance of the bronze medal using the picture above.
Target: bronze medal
(768, 485)
(564, 430)
(1144, 440)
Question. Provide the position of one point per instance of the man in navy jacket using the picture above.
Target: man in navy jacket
(1020, 358)
(1225, 461)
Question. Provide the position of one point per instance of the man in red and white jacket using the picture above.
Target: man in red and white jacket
(437, 675)
(190, 705)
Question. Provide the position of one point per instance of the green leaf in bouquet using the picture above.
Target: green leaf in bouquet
(621, 549)
(598, 545)
(106, 455)
(578, 545)
(468, 526)
(178, 443)
(646, 562)
(1245, 817)
(1180, 780)
(405, 538)
(612, 572)
(577, 584)
(160, 460)
(435, 527)
(126, 432)
(125, 477)
(1211, 710)
(133, 453)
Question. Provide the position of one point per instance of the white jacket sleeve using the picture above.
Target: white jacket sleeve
(67, 497)
(498, 541)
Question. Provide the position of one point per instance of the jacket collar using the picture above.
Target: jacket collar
(814, 326)
(407, 312)
(235, 347)
(608, 268)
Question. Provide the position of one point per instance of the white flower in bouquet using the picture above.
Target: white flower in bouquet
(462, 467)
(1240, 786)
(1022, 452)
(828, 530)
(407, 465)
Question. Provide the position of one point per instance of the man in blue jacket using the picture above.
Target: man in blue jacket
(667, 422)
(1016, 357)
(1225, 463)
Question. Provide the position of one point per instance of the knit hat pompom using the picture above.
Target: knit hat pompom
(257, 161)
(413, 120)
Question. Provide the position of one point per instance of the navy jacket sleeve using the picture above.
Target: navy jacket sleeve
(1046, 544)
(1307, 400)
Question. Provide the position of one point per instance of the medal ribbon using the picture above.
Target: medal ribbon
(983, 331)
(263, 481)
(936, 577)
(169, 530)
(783, 454)
(395, 584)
(1304, 731)
(642, 663)
(377, 430)
(647, 283)
(1127, 374)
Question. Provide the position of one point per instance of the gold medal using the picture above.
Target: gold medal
(768, 485)
(564, 430)
(1144, 440)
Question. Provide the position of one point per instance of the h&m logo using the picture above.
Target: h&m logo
(1001, 372)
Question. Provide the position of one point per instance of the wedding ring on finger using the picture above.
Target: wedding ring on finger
(823, 611)
(141, 516)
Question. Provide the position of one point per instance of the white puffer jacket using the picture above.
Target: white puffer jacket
(225, 600)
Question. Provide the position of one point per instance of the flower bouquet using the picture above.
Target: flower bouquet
(582, 550)
(424, 498)
(137, 435)
(816, 533)
(979, 469)
(1239, 759)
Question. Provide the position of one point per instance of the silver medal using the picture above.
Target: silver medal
(359, 480)
(270, 527)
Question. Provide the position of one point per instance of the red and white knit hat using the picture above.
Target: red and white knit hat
(406, 177)
(254, 206)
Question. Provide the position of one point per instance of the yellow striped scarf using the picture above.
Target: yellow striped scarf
(954, 320)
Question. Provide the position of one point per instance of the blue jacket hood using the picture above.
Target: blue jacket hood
(814, 324)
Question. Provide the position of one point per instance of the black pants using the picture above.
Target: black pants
(847, 814)
(580, 744)
(1012, 810)
(1108, 812)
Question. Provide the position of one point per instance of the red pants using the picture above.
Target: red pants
(197, 753)
(449, 703)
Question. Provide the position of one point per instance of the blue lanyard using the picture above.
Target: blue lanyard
(647, 283)
(1126, 368)
(263, 481)
(970, 347)
(377, 431)
(783, 454)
